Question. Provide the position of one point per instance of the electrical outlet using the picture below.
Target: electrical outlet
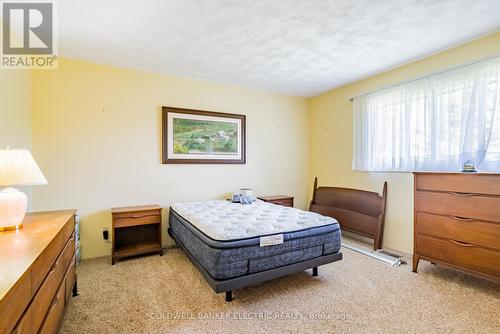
(105, 233)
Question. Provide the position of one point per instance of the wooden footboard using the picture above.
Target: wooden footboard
(358, 211)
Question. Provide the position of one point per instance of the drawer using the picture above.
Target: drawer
(137, 219)
(13, 304)
(45, 261)
(54, 315)
(460, 254)
(41, 301)
(25, 324)
(288, 202)
(467, 230)
(463, 183)
(459, 205)
(69, 279)
(136, 214)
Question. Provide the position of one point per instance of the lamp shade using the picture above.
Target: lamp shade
(18, 168)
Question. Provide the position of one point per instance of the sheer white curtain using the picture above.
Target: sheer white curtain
(434, 123)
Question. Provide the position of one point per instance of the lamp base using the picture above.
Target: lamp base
(11, 228)
(13, 205)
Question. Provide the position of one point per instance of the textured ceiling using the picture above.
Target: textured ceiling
(297, 47)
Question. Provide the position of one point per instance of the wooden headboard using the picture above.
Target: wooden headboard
(356, 210)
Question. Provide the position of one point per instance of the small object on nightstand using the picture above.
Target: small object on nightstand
(279, 199)
(136, 231)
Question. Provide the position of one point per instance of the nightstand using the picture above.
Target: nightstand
(279, 199)
(136, 231)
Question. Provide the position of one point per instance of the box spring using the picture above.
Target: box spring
(234, 258)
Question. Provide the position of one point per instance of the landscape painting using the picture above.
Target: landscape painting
(197, 136)
(205, 137)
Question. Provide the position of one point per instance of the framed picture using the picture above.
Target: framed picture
(202, 137)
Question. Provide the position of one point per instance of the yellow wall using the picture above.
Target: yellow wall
(95, 159)
(15, 113)
(331, 138)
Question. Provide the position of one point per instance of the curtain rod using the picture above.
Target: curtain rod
(477, 61)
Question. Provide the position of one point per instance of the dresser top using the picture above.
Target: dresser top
(19, 249)
(275, 197)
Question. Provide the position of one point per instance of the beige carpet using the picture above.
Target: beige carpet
(356, 295)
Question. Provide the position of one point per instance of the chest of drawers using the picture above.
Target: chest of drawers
(457, 221)
(37, 273)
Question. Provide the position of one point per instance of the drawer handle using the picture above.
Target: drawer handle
(54, 303)
(463, 194)
(462, 243)
(54, 267)
(464, 219)
(137, 216)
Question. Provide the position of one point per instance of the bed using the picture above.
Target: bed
(235, 246)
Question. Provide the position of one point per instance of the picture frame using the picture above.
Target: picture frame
(192, 136)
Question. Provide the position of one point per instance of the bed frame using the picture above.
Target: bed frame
(228, 285)
(358, 211)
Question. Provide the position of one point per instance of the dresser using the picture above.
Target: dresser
(37, 273)
(457, 221)
(278, 199)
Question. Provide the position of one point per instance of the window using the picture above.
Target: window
(434, 123)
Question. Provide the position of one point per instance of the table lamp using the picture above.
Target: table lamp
(17, 168)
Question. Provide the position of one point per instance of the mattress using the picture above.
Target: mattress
(226, 238)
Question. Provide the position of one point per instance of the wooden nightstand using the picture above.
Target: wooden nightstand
(136, 231)
(279, 199)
